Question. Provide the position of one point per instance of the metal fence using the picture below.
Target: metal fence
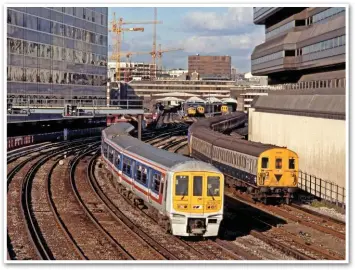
(322, 189)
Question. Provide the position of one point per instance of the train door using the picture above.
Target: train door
(198, 187)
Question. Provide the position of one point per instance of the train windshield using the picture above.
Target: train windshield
(213, 185)
(182, 185)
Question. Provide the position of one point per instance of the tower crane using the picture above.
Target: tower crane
(160, 55)
(116, 28)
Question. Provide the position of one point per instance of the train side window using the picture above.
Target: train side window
(126, 166)
(156, 182)
(161, 186)
(104, 149)
(264, 162)
(139, 173)
(144, 175)
(118, 161)
(291, 163)
(182, 185)
(197, 183)
(278, 163)
(111, 155)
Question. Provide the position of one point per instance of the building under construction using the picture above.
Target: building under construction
(129, 71)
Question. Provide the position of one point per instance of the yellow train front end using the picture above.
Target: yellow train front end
(277, 174)
(197, 203)
(200, 110)
(224, 109)
(191, 111)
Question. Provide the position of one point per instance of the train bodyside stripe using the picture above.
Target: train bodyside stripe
(131, 180)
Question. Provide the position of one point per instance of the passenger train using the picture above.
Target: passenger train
(265, 170)
(184, 195)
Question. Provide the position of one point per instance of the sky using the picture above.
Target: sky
(198, 30)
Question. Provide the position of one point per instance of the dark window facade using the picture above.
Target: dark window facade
(56, 52)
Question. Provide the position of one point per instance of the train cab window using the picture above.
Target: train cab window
(213, 186)
(291, 163)
(156, 182)
(182, 185)
(264, 163)
(197, 183)
(278, 163)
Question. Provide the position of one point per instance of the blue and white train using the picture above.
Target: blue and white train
(186, 195)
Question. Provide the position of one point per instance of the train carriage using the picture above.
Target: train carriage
(185, 195)
(265, 170)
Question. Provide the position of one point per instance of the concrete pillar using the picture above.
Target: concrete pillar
(139, 127)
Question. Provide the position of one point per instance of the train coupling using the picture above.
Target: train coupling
(196, 226)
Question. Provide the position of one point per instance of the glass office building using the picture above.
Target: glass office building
(58, 52)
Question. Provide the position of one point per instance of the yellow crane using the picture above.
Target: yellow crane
(160, 55)
(117, 29)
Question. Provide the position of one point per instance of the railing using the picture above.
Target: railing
(51, 103)
(322, 189)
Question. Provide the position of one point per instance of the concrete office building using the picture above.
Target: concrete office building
(210, 67)
(302, 45)
(58, 52)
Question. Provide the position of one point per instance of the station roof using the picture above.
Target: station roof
(195, 100)
(229, 100)
(170, 99)
(213, 100)
(324, 106)
(174, 94)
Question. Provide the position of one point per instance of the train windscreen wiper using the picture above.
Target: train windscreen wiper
(209, 190)
(184, 194)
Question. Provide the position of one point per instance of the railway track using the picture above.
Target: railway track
(179, 248)
(25, 240)
(278, 236)
(144, 242)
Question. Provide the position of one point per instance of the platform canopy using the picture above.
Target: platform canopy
(213, 100)
(174, 94)
(229, 100)
(166, 99)
(195, 100)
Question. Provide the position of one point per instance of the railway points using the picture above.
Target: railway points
(128, 162)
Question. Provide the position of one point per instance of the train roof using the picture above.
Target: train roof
(202, 130)
(118, 129)
(172, 161)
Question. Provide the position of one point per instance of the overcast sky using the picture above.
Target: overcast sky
(207, 31)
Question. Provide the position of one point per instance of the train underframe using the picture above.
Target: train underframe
(263, 194)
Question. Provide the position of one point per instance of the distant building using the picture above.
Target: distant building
(137, 71)
(199, 88)
(259, 80)
(175, 73)
(302, 45)
(210, 67)
(57, 52)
